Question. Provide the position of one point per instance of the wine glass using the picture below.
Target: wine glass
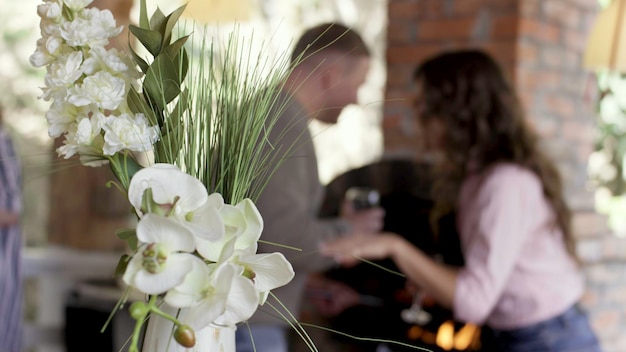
(416, 314)
(363, 197)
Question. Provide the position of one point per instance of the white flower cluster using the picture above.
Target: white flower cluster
(198, 251)
(88, 83)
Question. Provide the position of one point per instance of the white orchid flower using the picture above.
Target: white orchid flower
(163, 260)
(215, 294)
(244, 225)
(182, 196)
(268, 271)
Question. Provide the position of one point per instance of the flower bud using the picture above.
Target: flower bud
(185, 336)
(138, 310)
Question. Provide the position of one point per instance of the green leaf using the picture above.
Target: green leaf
(143, 65)
(169, 145)
(164, 78)
(171, 140)
(172, 18)
(181, 106)
(150, 39)
(132, 166)
(124, 234)
(138, 104)
(143, 15)
(130, 236)
(120, 269)
(158, 21)
(175, 48)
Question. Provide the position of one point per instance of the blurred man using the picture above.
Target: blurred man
(329, 62)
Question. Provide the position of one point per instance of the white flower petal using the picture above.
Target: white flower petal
(126, 132)
(243, 301)
(172, 182)
(101, 88)
(133, 267)
(169, 232)
(207, 223)
(263, 297)
(216, 251)
(191, 290)
(271, 270)
(234, 219)
(172, 275)
(215, 200)
(205, 313)
(254, 225)
(215, 301)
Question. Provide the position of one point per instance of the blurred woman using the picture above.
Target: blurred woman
(521, 275)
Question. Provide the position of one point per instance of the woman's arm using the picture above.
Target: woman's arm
(437, 279)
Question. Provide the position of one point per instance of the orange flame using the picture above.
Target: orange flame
(447, 339)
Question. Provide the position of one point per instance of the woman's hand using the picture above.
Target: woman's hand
(350, 250)
(437, 280)
(368, 220)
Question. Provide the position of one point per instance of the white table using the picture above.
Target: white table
(57, 271)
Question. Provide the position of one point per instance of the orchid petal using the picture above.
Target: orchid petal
(216, 251)
(263, 297)
(271, 270)
(213, 304)
(243, 301)
(254, 224)
(207, 223)
(188, 190)
(215, 200)
(234, 220)
(166, 231)
(190, 291)
(173, 274)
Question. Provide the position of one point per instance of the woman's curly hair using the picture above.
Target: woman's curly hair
(484, 125)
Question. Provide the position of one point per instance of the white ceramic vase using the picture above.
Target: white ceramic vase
(159, 337)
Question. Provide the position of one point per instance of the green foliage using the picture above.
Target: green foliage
(231, 108)
(130, 236)
(607, 163)
(213, 109)
(164, 75)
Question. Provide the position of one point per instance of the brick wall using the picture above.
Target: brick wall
(540, 45)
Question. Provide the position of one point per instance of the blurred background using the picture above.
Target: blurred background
(568, 71)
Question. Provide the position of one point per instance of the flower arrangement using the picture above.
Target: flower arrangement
(194, 246)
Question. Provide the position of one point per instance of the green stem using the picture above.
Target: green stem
(154, 309)
(139, 323)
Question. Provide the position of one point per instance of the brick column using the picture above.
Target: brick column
(418, 29)
(540, 45)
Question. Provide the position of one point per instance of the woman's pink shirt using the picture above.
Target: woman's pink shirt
(517, 271)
